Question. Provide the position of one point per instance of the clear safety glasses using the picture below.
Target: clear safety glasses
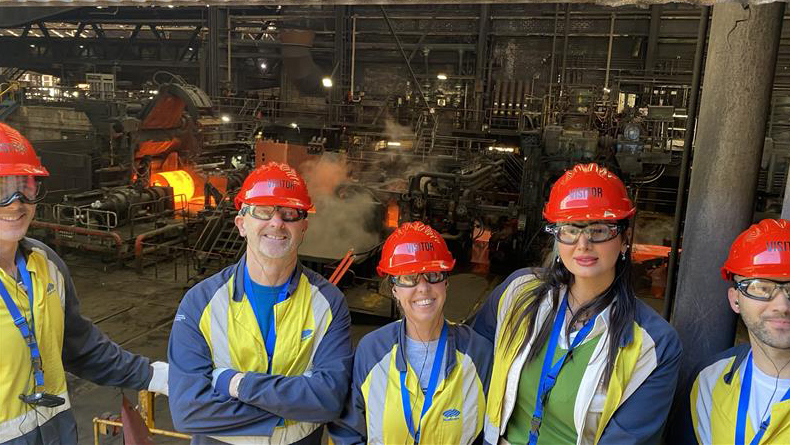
(26, 189)
(265, 213)
(595, 232)
(412, 280)
(762, 289)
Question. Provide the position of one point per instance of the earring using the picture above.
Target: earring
(557, 259)
(623, 256)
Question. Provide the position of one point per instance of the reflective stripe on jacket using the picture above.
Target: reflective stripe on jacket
(375, 412)
(634, 406)
(215, 327)
(714, 403)
(67, 341)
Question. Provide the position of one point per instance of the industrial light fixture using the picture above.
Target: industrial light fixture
(32, 46)
(263, 65)
(441, 76)
(606, 90)
(294, 125)
(393, 144)
(225, 118)
(502, 149)
(326, 82)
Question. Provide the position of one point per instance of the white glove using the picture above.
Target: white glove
(158, 382)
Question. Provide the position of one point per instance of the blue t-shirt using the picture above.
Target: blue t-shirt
(262, 302)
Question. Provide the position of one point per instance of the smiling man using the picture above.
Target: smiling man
(741, 395)
(42, 333)
(261, 351)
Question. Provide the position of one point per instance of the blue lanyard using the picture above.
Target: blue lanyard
(271, 337)
(743, 408)
(28, 331)
(432, 383)
(549, 372)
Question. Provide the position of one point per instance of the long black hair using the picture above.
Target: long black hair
(620, 294)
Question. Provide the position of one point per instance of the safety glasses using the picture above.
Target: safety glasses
(762, 289)
(595, 232)
(412, 280)
(26, 189)
(265, 213)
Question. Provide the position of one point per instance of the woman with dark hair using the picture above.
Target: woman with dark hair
(421, 379)
(577, 358)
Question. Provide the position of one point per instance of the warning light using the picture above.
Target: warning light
(393, 214)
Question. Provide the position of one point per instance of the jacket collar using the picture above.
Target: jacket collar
(400, 359)
(740, 356)
(602, 320)
(238, 279)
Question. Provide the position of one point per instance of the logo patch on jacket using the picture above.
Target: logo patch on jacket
(50, 288)
(307, 333)
(451, 414)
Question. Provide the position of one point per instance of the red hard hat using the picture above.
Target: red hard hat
(414, 247)
(588, 192)
(274, 184)
(17, 157)
(762, 251)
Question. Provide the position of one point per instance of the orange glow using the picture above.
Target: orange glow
(181, 181)
(393, 213)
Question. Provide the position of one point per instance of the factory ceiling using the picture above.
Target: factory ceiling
(51, 3)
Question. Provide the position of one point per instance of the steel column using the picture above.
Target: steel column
(652, 38)
(688, 141)
(739, 74)
(566, 30)
(482, 56)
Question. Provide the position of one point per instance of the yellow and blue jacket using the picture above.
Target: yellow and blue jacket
(714, 403)
(632, 408)
(67, 342)
(374, 413)
(215, 329)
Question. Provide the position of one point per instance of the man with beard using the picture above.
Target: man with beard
(42, 334)
(261, 352)
(741, 395)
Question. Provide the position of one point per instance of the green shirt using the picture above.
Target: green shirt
(557, 426)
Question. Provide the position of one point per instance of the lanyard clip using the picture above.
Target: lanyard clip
(536, 421)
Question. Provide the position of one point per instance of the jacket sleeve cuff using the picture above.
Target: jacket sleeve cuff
(221, 380)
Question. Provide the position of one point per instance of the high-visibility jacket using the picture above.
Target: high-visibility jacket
(215, 328)
(67, 342)
(631, 409)
(714, 403)
(374, 413)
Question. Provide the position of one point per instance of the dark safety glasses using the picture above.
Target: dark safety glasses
(265, 213)
(26, 189)
(595, 232)
(412, 280)
(762, 289)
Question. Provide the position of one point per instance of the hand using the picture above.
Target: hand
(233, 388)
(158, 382)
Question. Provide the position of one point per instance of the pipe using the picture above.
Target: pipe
(138, 242)
(82, 231)
(553, 54)
(609, 52)
(340, 265)
(353, 53)
(97, 421)
(566, 31)
(688, 140)
(414, 183)
(230, 82)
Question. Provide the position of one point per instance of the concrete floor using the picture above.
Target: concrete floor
(137, 312)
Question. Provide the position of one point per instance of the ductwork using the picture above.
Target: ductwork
(297, 60)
